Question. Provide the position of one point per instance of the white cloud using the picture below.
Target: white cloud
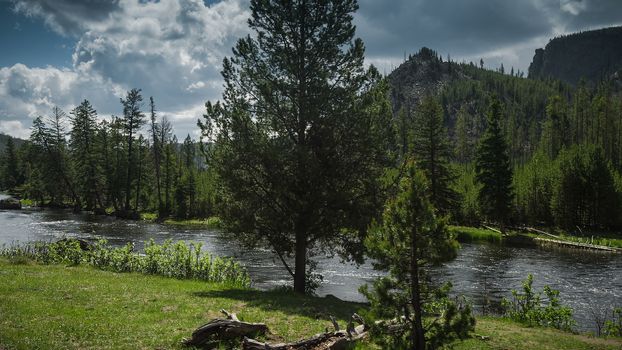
(14, 128)
(29, 92)
(171, 49)
(573, 7)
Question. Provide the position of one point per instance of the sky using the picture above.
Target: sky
(60, 52)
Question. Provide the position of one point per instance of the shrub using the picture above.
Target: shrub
(178, 260)
(532, 309)
(613, 327)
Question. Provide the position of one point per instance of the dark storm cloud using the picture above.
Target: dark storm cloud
(588, 14)
(173, 49)
(461, 27)
(69, 17)
(504, 30)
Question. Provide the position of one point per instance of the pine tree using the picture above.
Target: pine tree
(133, 119)
(157, 154)
(139, 167)
(411, 239)
(556, 130)
(10, 167)
(35, 186)
(432, 152)
(297, 143)
(585, 192)
(85, 155)
(168, 159)
(464, 143)
(57, 154)
(493, 169)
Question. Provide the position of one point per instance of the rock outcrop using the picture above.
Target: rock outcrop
(594, 56)
(10, 203)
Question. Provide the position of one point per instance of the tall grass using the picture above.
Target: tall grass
(177, 260)
(473, 234)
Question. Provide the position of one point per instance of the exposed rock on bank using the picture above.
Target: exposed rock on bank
(10, 203)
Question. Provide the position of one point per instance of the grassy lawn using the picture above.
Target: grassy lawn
(505, 334)
(58, 307)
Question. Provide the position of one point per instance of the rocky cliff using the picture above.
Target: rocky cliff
(593, 55)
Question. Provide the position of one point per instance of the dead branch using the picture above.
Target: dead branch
(217, 330)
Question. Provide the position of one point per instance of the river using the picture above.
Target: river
(586, 280)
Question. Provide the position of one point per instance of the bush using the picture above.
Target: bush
(613, 327)
(532, 309)
(177, 260)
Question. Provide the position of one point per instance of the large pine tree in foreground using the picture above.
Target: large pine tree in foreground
(298, 137)
(493, 169)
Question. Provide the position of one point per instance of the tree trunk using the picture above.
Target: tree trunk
(418, 332)
(167, 181)
(300, 270)
(140, 165)
(128, 183)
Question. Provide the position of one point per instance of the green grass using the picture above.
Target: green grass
(148, 216)
(604, 239)
(608, 240)
(506, 334)
(27, 202)
(58, 307)
(211, 222)
(473, 234)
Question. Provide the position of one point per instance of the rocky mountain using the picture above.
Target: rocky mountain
(424, 73)
(592, 55)
(464, 90)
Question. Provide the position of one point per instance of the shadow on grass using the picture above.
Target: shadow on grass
(288, 302)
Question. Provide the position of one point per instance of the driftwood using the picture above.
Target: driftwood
(531, 229)
(211, 334)
(336, 340)
(491, 229)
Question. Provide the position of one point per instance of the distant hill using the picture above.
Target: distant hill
(593, 55)
(466, 88)
(4, 138)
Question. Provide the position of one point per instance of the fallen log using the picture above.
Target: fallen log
(491, 229)
(217, 330)
(336, 340)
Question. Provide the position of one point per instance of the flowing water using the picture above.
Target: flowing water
(587, 281)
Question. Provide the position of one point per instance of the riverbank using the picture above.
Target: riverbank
(606, 242)
(212, 222)
(55, 306)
